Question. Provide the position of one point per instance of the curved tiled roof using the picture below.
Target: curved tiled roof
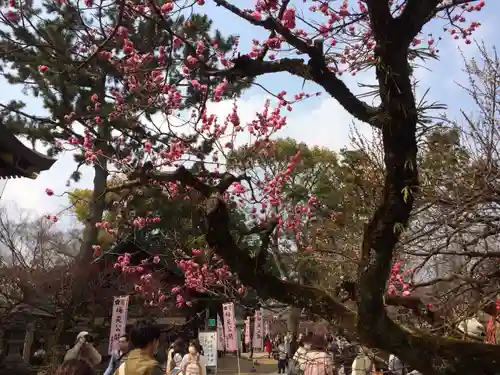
(17, 160)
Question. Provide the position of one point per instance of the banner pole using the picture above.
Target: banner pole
(238, 359)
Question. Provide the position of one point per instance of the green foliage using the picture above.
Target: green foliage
(312, 175)
(80, 200)
(319, 172)
(57, 36)
(180, 224)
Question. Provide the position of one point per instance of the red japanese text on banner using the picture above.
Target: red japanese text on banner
(118, 321)
(229, 327)
(258, 330)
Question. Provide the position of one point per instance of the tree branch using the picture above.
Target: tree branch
(266, 285)
(316, 70)
(227, 179)
(417, 13)
(414, 16)
(244, 66)
(265, 238)
(380, 18)
(185, 177)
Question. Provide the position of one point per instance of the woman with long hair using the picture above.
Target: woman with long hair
(194, 363)
(75, 367)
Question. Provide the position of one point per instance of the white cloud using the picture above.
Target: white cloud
(324, 123)
(30, 194)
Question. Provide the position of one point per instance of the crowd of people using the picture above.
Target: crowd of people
(137, 354)
(328, 355)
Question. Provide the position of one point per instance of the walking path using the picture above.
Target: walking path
(228, 365)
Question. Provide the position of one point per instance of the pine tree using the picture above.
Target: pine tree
(50, 51)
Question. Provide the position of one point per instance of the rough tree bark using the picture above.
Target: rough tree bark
(97, 206)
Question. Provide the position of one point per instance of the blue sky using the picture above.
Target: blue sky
(320, 121)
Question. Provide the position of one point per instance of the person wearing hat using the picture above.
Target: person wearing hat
(84, 349)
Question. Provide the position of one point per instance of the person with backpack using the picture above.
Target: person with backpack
(299, 359)
(282, 358)
(145, 338)
(317, 360)
(362, 364)
(348, 353)
(193, 362)
(118, 356)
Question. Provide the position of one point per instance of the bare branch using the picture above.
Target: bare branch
(417, 13)
(316, 70)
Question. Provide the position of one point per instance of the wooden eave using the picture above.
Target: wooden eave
(17, 160)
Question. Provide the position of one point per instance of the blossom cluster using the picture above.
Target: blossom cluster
(399, 282)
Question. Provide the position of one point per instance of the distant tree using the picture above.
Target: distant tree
(38, 268)
(453, 238)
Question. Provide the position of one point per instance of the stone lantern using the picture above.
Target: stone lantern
(19, 334)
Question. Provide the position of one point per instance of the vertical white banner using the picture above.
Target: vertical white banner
(220, 334)
(229, 327)
(258, 342)
(267, 328)
(118, 322)
(208, 341)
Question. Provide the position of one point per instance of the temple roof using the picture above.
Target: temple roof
(17, 160)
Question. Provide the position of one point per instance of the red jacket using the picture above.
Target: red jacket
(268, 346)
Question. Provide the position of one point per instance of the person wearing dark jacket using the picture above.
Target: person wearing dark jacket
(294, 345)
(118, 356)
